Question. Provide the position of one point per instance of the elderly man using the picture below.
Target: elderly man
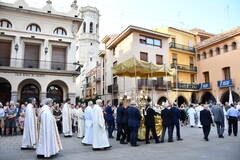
(49, 142)
(232, 114)
(134, 118)
(88, 115)
(100, 140)
(30, 132)
(218, 114)
(206, 121)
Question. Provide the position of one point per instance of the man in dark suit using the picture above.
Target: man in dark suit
(167, 123)
(218, 114)
(109, 118)
(206, 121)
(176, 116)
(149, 115)
(121, 123)
(134, 118)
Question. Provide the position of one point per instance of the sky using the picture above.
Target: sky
(213, 16)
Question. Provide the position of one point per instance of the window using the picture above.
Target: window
(5, 23)
(225, 48)
(114, 51)
(198, 57)
(203, 38)
(144, 56)
(192, 78)
(191, 62)
(159, 59)
(150, 41)
(173, 40)
(206, 77)
(84, 27)
(97, 27)
(33, 28)
(226, 73)
(60, 31)
(234, 45)
(91, 27)
(174, 58)
(211, 53)
(204, 55)
(218, 51)
(190, 43)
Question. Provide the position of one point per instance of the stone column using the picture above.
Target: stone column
(72, 96)
(14, 96)
(43, 95)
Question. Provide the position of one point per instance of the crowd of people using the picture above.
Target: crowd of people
(95, 123)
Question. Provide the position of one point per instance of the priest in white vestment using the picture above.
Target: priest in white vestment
(100, 139)
(198, 109)
(67, 119)
(29, 138)
(80, 122)
(87, 140)
(49, 142)
(191, 116)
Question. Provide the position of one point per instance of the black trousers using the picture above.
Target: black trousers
(121, 131)
(177, 125)
(169, 132)
(220, 128)
(232, 125)
(111, 126)
(133, 135)
(59, 125)
(153, 130)
(206, 130)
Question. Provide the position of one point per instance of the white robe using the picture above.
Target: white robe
(81, 125)
(191, 116)
(225, 119)
(88, 139)
(100, 139)
(49, 142)
(67, 120)
(29, 138)
(198, 110)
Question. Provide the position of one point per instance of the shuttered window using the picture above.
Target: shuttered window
(5, 52)
(159, 59)
(58, 58)
(31, 55)
(144, 56)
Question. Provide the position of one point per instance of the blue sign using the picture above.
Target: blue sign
(205, 85)
(225, 83)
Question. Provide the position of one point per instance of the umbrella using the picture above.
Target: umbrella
(138, 68)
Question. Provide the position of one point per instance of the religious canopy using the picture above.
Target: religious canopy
(138, 68)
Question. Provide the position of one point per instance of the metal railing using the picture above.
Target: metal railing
(189, 86)
(37, 64)
(181, 47)
(146, 83)
(184, 67)
(160, 85)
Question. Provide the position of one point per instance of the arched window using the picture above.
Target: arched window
(29, 90)
(211, 53)
(5, 23)
(234, 45)
(204, 55)
(198, 57)
(60, 31)
(84, 27)
(218, 51)
(91, 27)
(34, 28)
(225, 48)
(56, 93)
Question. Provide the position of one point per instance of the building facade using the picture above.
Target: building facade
(38, 49)
(218, 67)
(143, 44)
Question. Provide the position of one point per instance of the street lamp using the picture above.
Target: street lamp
(46, 50)
(16, 47)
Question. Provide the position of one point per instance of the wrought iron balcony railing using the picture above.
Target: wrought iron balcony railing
(182, 47)
(37, 64)
(184, 67)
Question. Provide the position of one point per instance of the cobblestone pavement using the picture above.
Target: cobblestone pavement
(192, 147)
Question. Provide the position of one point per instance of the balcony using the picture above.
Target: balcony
(182, 47)
(225, 83)
(163, 85)
(37, 65)
(205, 85)
(183, 67)
(146, 84)
(113, 88)
(185, 86)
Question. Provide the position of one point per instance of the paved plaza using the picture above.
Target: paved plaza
(192, 147)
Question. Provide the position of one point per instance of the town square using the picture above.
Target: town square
(90, 79)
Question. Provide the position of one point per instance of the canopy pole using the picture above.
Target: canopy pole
(152, 84)
(165, 69)
(135, 98)
(176, 84)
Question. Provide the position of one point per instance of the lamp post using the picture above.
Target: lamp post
(16, 47)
